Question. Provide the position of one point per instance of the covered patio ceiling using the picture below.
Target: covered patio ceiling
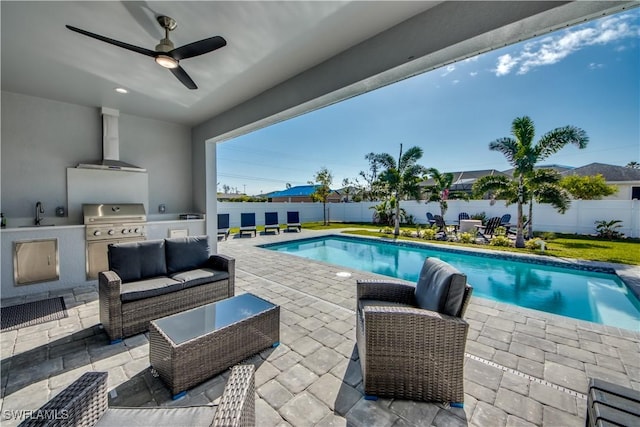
(282, 58)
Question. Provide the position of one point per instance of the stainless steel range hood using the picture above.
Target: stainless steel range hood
(111, 146)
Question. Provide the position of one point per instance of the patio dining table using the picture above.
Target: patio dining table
(469, 225)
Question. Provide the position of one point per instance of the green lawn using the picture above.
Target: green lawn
(625, 251)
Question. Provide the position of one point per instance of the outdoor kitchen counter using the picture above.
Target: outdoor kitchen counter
(71, 251)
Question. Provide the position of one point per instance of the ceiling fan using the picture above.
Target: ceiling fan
(165, 54)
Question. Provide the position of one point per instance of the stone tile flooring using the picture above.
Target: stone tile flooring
(523, 367)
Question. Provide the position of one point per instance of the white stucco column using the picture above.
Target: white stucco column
(211, 192)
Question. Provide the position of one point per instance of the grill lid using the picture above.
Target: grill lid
(109, 213)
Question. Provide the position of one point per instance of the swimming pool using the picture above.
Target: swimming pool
(594, 296)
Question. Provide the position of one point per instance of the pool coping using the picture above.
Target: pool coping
(628, 274)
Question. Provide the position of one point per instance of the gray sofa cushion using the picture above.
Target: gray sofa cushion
(149, 288)
(199, 276)
(158, 417)
(186, 253)
(440, 287)
(138, 260)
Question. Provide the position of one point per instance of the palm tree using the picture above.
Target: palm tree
(542, 186)
(523, 155)
(402, 178)
(440, 190)
(633, 165)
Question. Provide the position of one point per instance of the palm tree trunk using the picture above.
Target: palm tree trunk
(396, 230)
(519, 236)
(530, 226)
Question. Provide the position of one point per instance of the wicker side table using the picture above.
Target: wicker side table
(190, 347)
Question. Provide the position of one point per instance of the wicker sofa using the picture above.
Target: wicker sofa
(84, 403)
(156, 278)
(411, 339)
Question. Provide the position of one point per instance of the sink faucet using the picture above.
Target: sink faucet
(39, 212)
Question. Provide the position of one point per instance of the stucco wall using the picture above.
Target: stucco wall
(41, 138)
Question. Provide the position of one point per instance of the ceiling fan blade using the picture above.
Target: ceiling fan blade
(182, 75)
(198, 48)
(114, 42)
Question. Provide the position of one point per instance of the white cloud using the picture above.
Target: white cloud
(450, 69)
(472, 59)
(473, 73)
(554, 48)
(455, 82)
(595, 66)
(505, 64)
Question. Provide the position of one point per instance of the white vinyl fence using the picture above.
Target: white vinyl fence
(580, 217)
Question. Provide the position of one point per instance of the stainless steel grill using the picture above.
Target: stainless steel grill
(110, 223)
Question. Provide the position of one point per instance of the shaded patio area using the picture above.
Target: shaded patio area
(522, 367)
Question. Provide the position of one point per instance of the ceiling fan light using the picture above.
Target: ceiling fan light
(166, 61)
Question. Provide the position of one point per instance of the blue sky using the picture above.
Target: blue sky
(586, 76)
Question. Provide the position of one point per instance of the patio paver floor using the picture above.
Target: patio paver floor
(523, 367)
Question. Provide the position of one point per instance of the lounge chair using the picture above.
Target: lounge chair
(223, 226)
(505, 219)
(85, 403)
(488, 230)
(463, 215)
(271, 222)
(411, 338)
(293, 221)
(248, 224)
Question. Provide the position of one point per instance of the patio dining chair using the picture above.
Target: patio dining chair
(443, 228)
(85, 403)
(488, 230)
(248, 224)
(430, 218)
(293, 221)
(271, 222)
(223, 226)
(411, 338)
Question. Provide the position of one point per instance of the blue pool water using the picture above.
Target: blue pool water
(593, 296)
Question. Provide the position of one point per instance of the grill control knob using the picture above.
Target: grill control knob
(111, 232)
(125, 231)
(97, 233)
(137, 230)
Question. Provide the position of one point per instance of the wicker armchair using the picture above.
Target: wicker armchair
(407, 351)
(85, 403)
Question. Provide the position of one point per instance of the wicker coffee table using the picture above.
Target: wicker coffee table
(190, 347)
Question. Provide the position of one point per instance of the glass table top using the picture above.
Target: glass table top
(202, 320)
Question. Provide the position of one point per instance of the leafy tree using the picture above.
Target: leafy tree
(372, 188)
(587, 187)
(346, 185)
(633, 165)
(523, 154)
(323, 180)
(440, 191)
(402, 178)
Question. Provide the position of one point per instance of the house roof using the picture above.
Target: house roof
(297, 191)
(557, 168)
(463, 180)
(611, 173)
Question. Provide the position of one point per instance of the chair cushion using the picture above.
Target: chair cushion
(199, 276)
(137, 260)
(158, 417)
(186, 253)
(148, 288)
(440, 287)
